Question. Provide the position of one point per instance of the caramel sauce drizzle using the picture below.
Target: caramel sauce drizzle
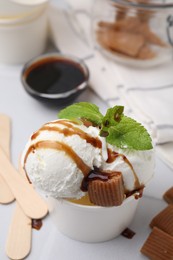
(112, 157)
(138, 193)
(69, 131)
(66, 123)
(85, 169)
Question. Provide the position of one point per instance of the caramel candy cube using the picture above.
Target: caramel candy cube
(158, 246)
(164, 220)
(107, 193)
(146, 53)
(129, 24)
(123, 42)
(168, 196)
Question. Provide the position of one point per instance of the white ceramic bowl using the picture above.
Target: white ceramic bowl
(23, 38)
(91, 223)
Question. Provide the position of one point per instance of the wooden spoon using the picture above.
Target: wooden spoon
(6, 196)
(30, 202)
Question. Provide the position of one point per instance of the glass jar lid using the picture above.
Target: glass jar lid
(145, 4)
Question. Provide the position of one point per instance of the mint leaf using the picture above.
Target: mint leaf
(129, 134)
(112, 118)
(113, 115)
(119, 130)
(82, 110)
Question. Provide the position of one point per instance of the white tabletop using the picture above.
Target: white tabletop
(27, 114)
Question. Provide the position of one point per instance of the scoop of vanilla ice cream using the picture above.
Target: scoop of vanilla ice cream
(138, 166)
(57, 174)
(53, 171)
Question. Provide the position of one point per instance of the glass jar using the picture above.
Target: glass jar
(134, 32)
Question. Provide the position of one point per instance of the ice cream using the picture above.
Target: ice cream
(59, 154)
(63, 156)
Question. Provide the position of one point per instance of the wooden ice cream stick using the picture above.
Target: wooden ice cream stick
(30, 202)
(5, 133)
(18, 244)
(19, 238)
(6, 196)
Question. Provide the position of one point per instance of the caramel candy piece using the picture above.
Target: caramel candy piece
(168, 196)
(158, 246)
(128, 233)
(124, 42)
(121, 13)
(129, 24)
(107, 193)
(146, 53)
(164, 220)
(151, 37)
(103, 25)
(135, 26)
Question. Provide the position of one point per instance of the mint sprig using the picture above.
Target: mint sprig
(129, 134)
(119, 130)
(82, 110)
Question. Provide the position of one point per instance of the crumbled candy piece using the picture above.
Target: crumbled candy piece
(128, 233)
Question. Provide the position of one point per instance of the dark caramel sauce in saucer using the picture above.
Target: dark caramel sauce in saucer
(54, 75)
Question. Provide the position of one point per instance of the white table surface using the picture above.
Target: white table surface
(27, 114)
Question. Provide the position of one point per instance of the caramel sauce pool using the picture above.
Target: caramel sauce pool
(54, 76)
(82, 201)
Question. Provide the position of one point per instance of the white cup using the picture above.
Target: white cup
(17, 8)
(91, 223)
(24, 36)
